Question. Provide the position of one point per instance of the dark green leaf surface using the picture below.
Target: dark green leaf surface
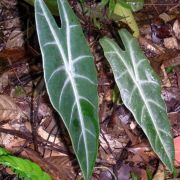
(70, 77)
(141, 93)
(52, 5)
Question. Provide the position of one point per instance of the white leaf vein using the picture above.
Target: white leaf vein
(140, 89)
(63, 90)
(49, 44)
(59, 69)
(77, 98)
(83, 77)
(80, 58)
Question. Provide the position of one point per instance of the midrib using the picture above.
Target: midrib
(73, 84)
(141, 93)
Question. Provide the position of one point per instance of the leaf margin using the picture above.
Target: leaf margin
(63, 23)
(126, 37)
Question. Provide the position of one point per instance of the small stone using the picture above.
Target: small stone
(133, 125)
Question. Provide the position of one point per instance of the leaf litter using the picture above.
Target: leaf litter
(29, 125)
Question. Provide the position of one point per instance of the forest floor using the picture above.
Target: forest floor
(30, 127)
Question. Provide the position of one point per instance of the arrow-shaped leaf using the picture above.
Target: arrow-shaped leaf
(141, 93)
(70, 78)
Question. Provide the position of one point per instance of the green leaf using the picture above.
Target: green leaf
(23, 168)
(103, 3)
(52, 5)
(169, 69)
(134, 176)
(96, 22)
(4, 152)
(126, 16)
(124, 4)
(81, 1)
(112, 4)
(70, 78)
(135, 5)
(149, 174)
(141, 93)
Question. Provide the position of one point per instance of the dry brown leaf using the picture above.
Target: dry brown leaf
(160, 173)
(9, 141)
(65, 164)
(45, 135)
(115, 143)
(165, 80)
(106, 157)
(8, 109)
(176, 29)
(166, 17)
(9, 4)
(153, 48)
(4, 81)
(142, 152)
(53, 170)
(172, 60)
(16, 39)
(171, 43)
(13, 54)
